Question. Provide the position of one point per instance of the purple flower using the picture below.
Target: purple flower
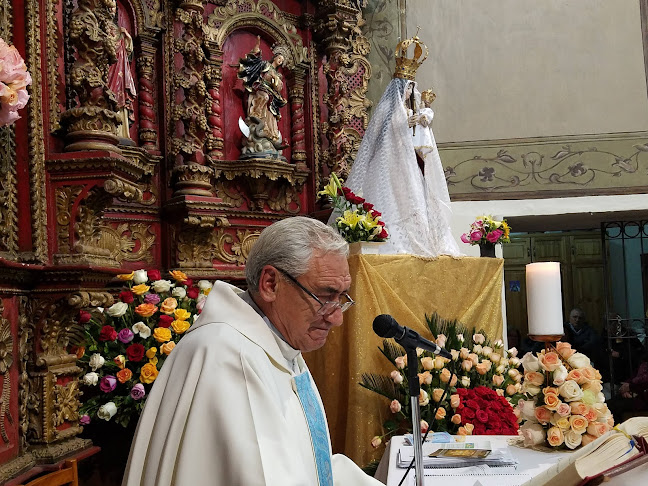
(108, 383)
(137, 392)
(152, 299)
(84, 420)
(125, 335)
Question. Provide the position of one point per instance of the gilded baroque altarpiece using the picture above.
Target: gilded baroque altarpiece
(128, 156)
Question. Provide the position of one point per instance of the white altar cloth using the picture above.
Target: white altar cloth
(530, 464)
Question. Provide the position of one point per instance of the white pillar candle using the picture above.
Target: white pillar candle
(544, 298)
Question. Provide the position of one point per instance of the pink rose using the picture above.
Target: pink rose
(563, 409)
(395, 406)
(396, 377)
(376, 441)
(108, 383)
(533, 434)
(84, 419)
(401, 362)
(465, 238)
(549, 361)
(424, 426)
(125, 335)
(542, 415)
(475, 236)
(494, 236)
(137, 392)
(597, 429)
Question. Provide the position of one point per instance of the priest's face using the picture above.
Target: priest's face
(297, 315)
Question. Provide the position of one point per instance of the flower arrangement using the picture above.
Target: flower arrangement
(487, 230)
(14, 79)
(564, 406)
(358, 220)
(479, 366)
(127, 343)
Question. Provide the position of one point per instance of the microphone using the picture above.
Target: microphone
(386, 326)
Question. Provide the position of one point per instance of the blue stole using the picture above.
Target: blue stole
(316, 427)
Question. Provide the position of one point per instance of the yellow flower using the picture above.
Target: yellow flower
(149, 373)
(166, 348)
(206, 292)
(180, 326)
(506, 229)
(126, 276)
(153, 361)
(140, 289)
(350, 218)
(331, 189)
(150, 354)
(162, 334)
(182, 314)
(178, 275)
(168, 305)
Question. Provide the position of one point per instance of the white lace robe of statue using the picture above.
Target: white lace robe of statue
(416, 209)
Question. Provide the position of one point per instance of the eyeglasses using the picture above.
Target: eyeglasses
(326, 308)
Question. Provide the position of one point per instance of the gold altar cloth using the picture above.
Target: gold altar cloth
(407, 287)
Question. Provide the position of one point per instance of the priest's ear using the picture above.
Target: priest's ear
(269, 283)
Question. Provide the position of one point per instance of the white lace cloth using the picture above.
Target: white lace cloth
(416, 210)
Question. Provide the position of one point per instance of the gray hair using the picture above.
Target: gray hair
(289, 244)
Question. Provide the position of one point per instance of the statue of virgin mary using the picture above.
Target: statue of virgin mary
(414, 203)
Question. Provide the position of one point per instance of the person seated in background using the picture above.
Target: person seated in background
(632, 397)
(621, 348)
(582, 336)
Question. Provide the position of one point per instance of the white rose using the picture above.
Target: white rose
(570, 391)
(477, 349)
(573, 439)
(533, 433)
(91, 378)
(500, 369)
(530, 389)
(118, 309)
(140, 277)
(179, 292)
(396, 377)
(495, 358)
(96, 361)
(161, 286)
(460, 338)
(204, 284)
(578, 360)
(479, 338)
(465, 381)
(499, 344)
(107, 411)
(514, 361)
(100, 310)
(487, 350)
(513, 352)
(142, 329)
(527, 410)
(530, 362)
(560, 375)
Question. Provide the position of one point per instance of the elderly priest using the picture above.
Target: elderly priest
(235, 403)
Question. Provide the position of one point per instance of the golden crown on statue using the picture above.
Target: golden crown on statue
(405, 66)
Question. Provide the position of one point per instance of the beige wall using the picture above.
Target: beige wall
(526, 68)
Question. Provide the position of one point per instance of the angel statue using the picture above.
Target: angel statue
(263, 83)
(398, 167)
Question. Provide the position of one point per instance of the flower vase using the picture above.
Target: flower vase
(365, 247)
(487, 250)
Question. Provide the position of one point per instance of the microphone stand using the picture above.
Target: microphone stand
(414, 390)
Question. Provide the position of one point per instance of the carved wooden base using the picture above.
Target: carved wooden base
(16, 466)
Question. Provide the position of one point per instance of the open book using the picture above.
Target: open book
(616, 449)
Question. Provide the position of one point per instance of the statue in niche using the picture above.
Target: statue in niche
(263, 84)
(120, 77)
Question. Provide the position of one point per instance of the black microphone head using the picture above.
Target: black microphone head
(385, 326)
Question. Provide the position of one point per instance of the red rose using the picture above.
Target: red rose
(135, 352)
(165, 320)
(154, 275)
(84, 316)
(375, 213)
(468, 413)
(481, 416)
(107, 333)
(126, 296)
(188, 282)
(367, 206)
(192, 292)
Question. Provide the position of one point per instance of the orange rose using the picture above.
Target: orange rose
(578, 408)
(534, 378)
(124, 375)
(466, 365)
(441, 413)
(126, 276)
(597, 429)
(166, 348)
(482, 368)
(140, 289)
(577, 376)
(511, 390)
(456, 419)
(552, 401)
(453, 381)
(455, 400)
(424, 378)
(469, 428)
(162, 334)
(148, 373)
(543, 415)
(146, 310)
(587, 438)
(591, 414)
(565, 350)
(445, 375)
(474, 358)
(590, 373)
(168, 306)
(462, 431)
(178, 276)
(555, 436)
(498, 380)
(549, 361)
(437, 393)
(428, 363)
(549, 390)
(181, 326)
(578, 423)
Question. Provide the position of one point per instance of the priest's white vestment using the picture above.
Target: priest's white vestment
(223, 410)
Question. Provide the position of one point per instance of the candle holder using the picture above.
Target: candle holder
(547, 339)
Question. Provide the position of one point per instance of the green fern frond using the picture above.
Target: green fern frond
(383, 385)
(391, 350)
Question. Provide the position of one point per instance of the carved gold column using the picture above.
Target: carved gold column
(146, 96)
(191, 176)
(298, 132)
(338, 31)
(92, 124)
(213, 109)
